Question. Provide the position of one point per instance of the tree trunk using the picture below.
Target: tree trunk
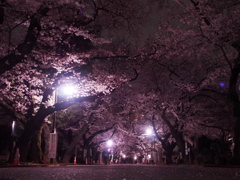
(234, 99)
(35, 152)
(25, 139)
(236, 139)
(71, 149)
(45, 143)
(169, 157)
(181, 145)
(178, 136)
(36, 122)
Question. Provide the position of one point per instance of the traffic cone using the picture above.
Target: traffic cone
(16, 157)
(75, 160)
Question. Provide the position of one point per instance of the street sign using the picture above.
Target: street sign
(53, 145)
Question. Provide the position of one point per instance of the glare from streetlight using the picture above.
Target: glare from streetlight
(68, 89)
(109, 143)
(149, 131)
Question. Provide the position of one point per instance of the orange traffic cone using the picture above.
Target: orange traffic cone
(16, 157)
(75, 160)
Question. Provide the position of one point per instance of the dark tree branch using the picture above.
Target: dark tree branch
(89, 139)
(195, 4)
(225, 56)
(155, 130)
(25, 48)
(213, 126)
(172, 129)
(202, 95)
(103, 141)
(232, 90)
(12, 112)
(136, 75)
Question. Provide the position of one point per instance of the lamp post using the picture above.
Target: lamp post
(149, 132)
(109, 144)
(66, 90)
(54, 118)
(53, 136)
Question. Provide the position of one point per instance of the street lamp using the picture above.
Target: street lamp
(149, 133)
(66, 90)
(109, 144)
(135, 159)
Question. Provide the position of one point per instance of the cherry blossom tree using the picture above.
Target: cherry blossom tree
(47, 43)
(88, 125)
(183, 78)
(215, 24)
(189, 67)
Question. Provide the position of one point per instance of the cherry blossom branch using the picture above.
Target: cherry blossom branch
(195, 4)
(225, 56)
(155, 130)
(89, 139)
(103, 141)
(12, 112)
(213, 126)
(9, 61)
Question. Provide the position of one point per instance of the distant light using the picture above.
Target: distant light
(222, 84)
(124, 156)
(149, 156)
(135, 157)
(149, 131)
(109, 142)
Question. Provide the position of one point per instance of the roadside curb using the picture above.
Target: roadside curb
(77, 165)
(31, 165)
(43, 165)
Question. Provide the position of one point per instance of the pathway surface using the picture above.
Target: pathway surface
(119, 172)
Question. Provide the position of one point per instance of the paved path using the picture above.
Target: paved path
(119, 172)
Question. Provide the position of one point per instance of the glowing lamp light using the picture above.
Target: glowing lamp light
(135, 157)
(124, 156)
(149, 156)
(68, 89)
(109, 142)
(149, 131)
